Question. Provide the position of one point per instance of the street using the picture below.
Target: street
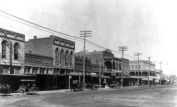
(165, 96)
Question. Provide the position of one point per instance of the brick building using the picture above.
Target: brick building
(101, 67)
(12, 58)
(56, 56)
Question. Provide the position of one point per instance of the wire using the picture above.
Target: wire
(37, 26)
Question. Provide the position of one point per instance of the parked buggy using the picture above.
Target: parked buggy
(28, 87)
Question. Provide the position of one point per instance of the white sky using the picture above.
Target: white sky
(146, 26)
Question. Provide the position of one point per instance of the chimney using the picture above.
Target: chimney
(35, 37)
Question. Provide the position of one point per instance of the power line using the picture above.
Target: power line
(37, 26)
(29, 23)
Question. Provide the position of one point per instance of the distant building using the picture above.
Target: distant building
(101, 64)
(145, 72)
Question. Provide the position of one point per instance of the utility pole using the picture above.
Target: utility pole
(122, 49)
(84, 34)
(160, 72)
(149, 58)
(138, 54)
(100, 73)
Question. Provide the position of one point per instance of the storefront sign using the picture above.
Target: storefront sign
(65, 44)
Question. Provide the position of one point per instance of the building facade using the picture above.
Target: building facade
(12, 58)
(101, 67)
(12, 52)
(57, 58)
(145, 72)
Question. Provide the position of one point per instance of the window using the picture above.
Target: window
(139, 66)
(61, 54)
(71, 56)
(4, 43)
(132, 66)
(16, 51)
(66, 58)
(56, 56)
(135, 66)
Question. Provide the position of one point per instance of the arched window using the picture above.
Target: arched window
(16, 50)
(56, 56)
(71, 58)
(4, 43)
(66, 58)
(61, 53)
(61, 56)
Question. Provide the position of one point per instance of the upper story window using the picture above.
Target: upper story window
(4, 50)
(139, 66)
(56, 55)
(62, 57)
(66, 58)
(16, 50)
(71, 57)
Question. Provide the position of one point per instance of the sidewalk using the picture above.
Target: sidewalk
(99, 89)
(53, 91)
(67, 90)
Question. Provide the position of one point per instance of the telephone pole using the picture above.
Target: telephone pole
(122, 49)
(100, 73)
(138, 54)
(84, 34)
(149, 58)
(160, 72)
